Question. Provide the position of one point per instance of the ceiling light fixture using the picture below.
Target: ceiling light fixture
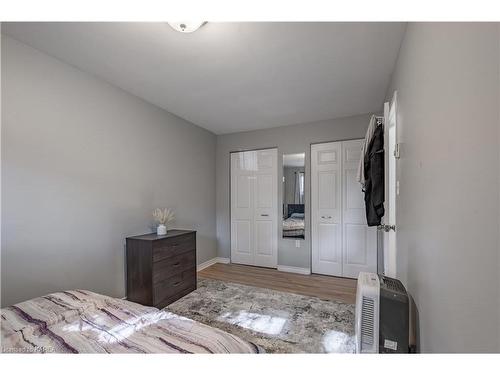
(186, 27)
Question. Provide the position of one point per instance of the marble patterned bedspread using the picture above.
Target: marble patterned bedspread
(293, 223)
(80, 321)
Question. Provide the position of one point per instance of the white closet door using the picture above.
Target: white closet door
(243, 165)
(254, 208)
(359, 243)
(326, 207)
(266, 209)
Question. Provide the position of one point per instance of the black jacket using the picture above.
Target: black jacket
(374, 176)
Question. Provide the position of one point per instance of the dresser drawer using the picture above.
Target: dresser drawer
(173, 285)
(168, 267)
(170, 247)
(161, 268)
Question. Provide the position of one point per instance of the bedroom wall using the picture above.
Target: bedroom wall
(447, 78)
(83, 165)
(498, 325)
(289, 140)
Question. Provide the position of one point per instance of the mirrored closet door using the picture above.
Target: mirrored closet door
(342, 243)
(293, 223)
(254, 208)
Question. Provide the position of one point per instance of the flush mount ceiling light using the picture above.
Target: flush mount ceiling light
(186, 27)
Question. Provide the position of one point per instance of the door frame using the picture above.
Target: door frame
(391, 188)
(229, 195)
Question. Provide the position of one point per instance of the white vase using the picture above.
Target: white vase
(161, 230)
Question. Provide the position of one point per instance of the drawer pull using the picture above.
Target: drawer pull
(176, 283)
(177, 264)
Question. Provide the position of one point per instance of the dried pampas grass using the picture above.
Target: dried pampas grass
(163, 215)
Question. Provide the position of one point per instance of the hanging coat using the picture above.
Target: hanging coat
(374, 178)
(368, 138)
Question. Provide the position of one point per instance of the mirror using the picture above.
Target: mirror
(293, 196)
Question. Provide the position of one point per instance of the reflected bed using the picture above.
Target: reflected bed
(293, 226)
(293, 223)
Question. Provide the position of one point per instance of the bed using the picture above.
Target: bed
(293, 224)
(80, 321)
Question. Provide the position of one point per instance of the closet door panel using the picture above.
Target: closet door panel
(266, 160)
(326, 210)
(327, 244)
(354, 205)
(266, 209)
(243, 192)
(327, 199)
(264, 217)
(242, 207)
(242, 236)
(355, 243)
(359, 240)
(264, 238)
(264, 187)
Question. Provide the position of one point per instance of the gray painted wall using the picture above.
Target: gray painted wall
(498, 26)
(448, 207)
(289, 140)
(83, 165)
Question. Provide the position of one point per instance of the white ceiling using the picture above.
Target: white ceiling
(230, 77)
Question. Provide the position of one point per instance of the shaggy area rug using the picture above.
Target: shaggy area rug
(277, 321)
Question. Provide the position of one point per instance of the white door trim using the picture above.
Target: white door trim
(391, 188)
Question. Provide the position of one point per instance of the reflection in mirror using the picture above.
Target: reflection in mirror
(293, 196)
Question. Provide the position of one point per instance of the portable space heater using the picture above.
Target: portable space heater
(384, 312)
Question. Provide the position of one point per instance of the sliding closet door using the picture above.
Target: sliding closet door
(266, 209)
(243, 165)
(359, 241)
(326, 209)
(254, 210)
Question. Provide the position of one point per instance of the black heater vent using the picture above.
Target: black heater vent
(393, 285)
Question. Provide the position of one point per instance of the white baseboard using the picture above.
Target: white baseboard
(223, 260)
(302, 271)
(211, 262)
(206, 264)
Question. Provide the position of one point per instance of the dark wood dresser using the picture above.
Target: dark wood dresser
(161, 269)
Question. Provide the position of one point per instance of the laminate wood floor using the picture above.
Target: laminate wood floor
(325, 287)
